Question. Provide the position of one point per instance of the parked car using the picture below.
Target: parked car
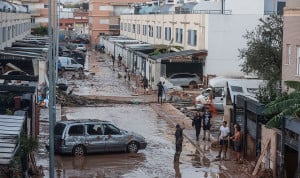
(67, 63)
(81, 47)
(184, 79)
(14, 73)
(79, 137)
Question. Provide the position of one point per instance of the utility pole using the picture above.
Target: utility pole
(52, 102)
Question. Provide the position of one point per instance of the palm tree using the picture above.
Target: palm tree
(284, 105)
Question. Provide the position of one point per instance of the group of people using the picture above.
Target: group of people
(162, 92)
(119, 60)
(224, 137)
(203, 119)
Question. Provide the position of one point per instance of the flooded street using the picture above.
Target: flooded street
(146, 118)
(155, 161)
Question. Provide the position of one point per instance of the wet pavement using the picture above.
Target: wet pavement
(153, 121)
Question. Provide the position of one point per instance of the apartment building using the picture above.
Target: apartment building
(38, 10)
(291, 43)
(217, 26)
(104, 17)
(13, 26)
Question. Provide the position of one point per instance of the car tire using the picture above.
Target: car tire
(79, 150)
(132, 147)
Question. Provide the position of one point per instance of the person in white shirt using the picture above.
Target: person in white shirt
(223, 139)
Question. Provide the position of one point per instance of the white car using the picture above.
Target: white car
(81, 47)
(184, 79)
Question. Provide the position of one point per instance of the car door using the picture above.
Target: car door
(75, 136)
(94, 138)
(114, 140)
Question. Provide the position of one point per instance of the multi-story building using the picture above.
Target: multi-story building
(38, 10)
(104, 17)
(14, 26)
(291, 43)
(217, 26)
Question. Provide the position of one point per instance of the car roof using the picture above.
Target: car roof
(86, 121)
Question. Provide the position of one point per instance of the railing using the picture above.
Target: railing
(226, 12)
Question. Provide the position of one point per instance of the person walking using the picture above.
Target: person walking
(197, 123)
(113, 60)
(223, 139)
(237, 140)
(119, 60)
(206, 123)
(165, 92)
(178, 142)
(160, 90)
(145, 85)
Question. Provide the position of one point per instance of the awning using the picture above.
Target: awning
(10, 129)
(181, 56)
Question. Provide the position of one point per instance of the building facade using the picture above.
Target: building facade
(13, 26)
(291, 43)
(104, 17)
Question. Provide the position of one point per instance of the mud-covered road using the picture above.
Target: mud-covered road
(156, 161)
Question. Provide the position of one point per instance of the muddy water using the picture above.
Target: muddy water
(155, 161)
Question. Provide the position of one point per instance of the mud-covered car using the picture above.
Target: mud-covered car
(79, 137)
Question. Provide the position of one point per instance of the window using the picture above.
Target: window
(110, 130)
(288, 54)
(298, 60)
(179, 35)
(104, 21)
(158, 32)
(150, 31)
(3, 34)
(45, 6)
(133, 28)
(144, 30)
(129, 27)
(76, 130)
(138, 29)
(121, 26)
(168, 33)
(192, 37)
(94, 129)
(125, 26)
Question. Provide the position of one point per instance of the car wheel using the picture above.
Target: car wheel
(78, 150)
(132, 147)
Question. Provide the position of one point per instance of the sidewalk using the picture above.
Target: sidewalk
(174, 116)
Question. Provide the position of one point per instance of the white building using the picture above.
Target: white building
(13, 26)
(217, 26)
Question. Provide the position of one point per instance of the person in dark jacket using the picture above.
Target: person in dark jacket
(160, 90)
(206, 123)
(178, 142)
(197, 123)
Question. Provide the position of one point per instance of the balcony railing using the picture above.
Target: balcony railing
(226, 12)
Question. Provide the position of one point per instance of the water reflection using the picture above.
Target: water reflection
(177, 169)
(101, 165)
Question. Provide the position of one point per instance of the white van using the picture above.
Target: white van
(67, 63)
(222, 90)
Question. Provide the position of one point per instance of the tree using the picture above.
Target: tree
(263, 54)
(284, 105)
(40, 31)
